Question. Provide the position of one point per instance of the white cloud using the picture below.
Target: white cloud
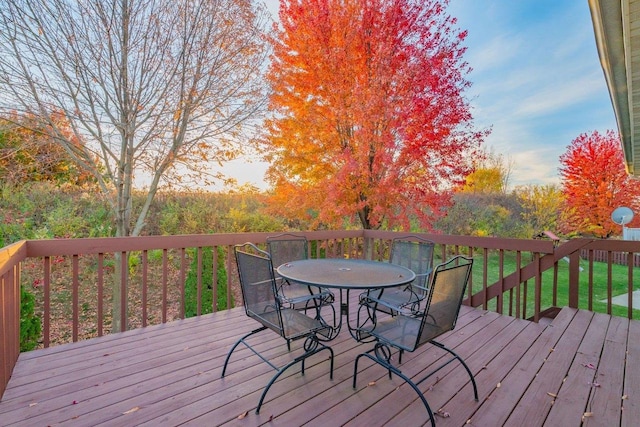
(534, 167)
(494, 54)
(556, 96)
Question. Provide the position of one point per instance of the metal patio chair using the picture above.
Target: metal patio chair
(416, 254)
(288, 247)
(258, 284)
(408, 330)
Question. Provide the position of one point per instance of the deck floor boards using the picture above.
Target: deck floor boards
(569, 405)
(527, 374)
(606, 398)
(631, 390)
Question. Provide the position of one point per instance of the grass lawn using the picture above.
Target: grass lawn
(619, 284)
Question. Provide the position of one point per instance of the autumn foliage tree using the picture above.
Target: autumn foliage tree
(28, 153)
(594, 183)
(490, 176)
(370, 119)
(541, 207)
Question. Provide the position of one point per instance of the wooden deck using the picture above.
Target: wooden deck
(528, 374)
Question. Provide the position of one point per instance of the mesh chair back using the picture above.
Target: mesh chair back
(258, 286)
(445, 298)
(417, 256)
(287, 247)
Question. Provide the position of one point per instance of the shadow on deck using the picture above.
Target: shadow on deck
(581, 368)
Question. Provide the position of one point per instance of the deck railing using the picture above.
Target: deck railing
(523, 278)
(10, 258)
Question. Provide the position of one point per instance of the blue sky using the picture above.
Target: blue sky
(537, 81)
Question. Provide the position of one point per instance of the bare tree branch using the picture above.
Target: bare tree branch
(147, 84)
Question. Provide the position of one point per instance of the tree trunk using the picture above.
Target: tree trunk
(137, 87)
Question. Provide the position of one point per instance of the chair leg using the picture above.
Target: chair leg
(391, 368)
(331, 331)
(241, 341)
(369, 318)
(462, 362)
(313, 304)
(311, 346)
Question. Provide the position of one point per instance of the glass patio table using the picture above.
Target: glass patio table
(346, 274)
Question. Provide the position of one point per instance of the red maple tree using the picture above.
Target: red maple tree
(594, 183)
(370, 118)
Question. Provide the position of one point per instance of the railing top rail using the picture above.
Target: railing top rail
(614, 245)
(525, 245)
(11, 255)
(39, 248)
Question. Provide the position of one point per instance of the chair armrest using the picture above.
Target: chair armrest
(426, 280)
(371, 301)
(424, 288)
(322, 295)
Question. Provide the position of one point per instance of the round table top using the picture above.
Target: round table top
(346, 273)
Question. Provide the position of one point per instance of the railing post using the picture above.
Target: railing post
(537, 295)
(124, 278)
(10, 260)
(574, 279)
(230, 262)
(46, 322)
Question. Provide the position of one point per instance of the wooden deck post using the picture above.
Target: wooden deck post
(574, 279)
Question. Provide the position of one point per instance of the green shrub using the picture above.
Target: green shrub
(170, 218)
(42, 210)
(134, 261)
(30, 326)
(99, 219)
(65, 220)
(12, 229)
(191, 284)
(155, 255)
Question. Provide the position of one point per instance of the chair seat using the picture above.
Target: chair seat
(295, 293)
(402, 330)
(295, 324)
